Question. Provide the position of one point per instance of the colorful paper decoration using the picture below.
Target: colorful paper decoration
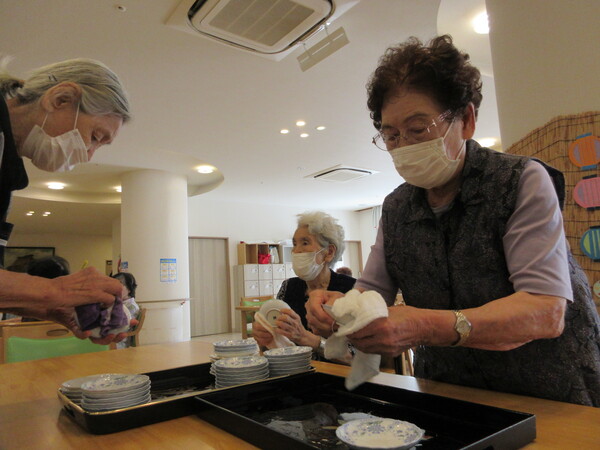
(586, 192)
(584, 151)
(596, 289)
(590, 243)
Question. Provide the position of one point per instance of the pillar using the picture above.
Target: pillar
(154, 248)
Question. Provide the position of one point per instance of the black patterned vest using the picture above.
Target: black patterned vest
(458, 262)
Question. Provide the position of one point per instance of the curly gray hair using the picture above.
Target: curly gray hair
(326, 230)
(102, 91)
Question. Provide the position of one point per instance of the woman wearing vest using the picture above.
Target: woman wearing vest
(57, 118)
(474, 240)
(318, 243)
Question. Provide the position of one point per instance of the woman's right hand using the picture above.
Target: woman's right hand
(261, 335)
(319, 321)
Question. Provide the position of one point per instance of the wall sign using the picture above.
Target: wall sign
(168, 270)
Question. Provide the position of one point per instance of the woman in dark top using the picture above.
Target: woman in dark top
(318, 245)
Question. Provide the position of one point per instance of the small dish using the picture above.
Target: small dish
(379, 434)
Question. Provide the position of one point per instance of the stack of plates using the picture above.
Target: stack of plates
(288, 360)
(239, 370)
(114, 391)
(234, 348)
(72, 388)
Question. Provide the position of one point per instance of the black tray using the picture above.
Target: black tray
(172, 392)
(311, 400)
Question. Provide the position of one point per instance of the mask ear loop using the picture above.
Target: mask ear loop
(76, 116)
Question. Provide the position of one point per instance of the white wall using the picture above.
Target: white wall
(74, 248)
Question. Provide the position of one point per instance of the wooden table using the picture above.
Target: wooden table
(31, 415)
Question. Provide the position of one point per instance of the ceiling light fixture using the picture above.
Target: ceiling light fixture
(46, 214)
(480, 23)
(30, 213)
(300, 123)
(304, 135)
(205, 169)
(487, 142)
(320, 128)
(57, 186)
(118, 188)
(285, 131)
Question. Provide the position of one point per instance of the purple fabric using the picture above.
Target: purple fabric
(93, 316)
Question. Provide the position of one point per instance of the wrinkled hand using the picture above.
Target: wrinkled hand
(261, 335)
(83, 287)
(318, 320)
(388, 336)
(290, 325)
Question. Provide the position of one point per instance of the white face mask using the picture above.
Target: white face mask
(305, 265)
(426, 164)
(55, 154)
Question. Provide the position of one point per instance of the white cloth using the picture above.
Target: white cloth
(278, 340)
(353, 312)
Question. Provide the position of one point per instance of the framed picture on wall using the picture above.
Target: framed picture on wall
(17, 259)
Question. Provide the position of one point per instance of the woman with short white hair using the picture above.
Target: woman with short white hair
(58, 117)
(318, 244)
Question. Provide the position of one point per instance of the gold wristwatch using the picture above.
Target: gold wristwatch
(463, 328)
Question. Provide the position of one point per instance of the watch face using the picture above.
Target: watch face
(462, 327)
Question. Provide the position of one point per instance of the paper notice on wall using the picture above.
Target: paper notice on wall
(168, 270)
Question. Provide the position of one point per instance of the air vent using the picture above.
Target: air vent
(271, 28)
(341, 174)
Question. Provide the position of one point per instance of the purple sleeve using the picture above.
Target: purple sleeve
(534, 243)
(375, 277)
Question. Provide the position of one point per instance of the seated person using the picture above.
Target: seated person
(344, 270)
(318, 244)
(128, 296)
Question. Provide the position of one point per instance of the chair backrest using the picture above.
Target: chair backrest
(135, 333)
(44, 341)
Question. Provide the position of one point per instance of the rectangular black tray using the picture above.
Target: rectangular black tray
(312, 400)
(172, 390)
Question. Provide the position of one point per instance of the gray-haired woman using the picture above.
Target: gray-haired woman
(318, 245)
(58, 118)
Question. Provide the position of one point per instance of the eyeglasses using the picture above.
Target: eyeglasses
(419, 129)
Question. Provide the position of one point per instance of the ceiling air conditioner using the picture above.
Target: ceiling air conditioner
(341, 174)
(270, 28)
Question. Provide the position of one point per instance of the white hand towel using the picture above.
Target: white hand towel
(278, 340)
(353, 312)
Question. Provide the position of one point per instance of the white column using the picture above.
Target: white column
(154, 237)
(545, 61)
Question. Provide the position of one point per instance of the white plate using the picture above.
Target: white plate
(380, 434)
(285, 352)
(242, 343)
(115, 405)
(74, 385)
(117, 394)
(115, 382)
(271, 310)
(241, 362)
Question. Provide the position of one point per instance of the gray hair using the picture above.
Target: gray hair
(327, 231)
(102, 91)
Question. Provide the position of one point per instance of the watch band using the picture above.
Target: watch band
(463, 327)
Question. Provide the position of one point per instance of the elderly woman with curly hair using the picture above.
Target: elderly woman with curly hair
(474, 239)
(318, 244)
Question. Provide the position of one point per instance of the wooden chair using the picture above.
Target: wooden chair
(135, 333)
(248, 307)
(38, 340)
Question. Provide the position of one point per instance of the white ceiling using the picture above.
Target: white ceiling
(198, 101)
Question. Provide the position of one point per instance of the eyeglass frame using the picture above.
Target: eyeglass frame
(434, 123)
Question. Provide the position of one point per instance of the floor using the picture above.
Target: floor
(218, 337)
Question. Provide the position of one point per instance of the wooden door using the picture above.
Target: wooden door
(209, 286)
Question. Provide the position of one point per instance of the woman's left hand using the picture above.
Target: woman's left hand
(290, 325)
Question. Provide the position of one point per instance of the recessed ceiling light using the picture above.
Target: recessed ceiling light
(480, 23)
(487, 142)
(118, 188)
(57, 186)
(304, 135)
(320, 128)
(47, 213)
(300, 123)
(30, 213)
(205, 169)
(285, 131)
